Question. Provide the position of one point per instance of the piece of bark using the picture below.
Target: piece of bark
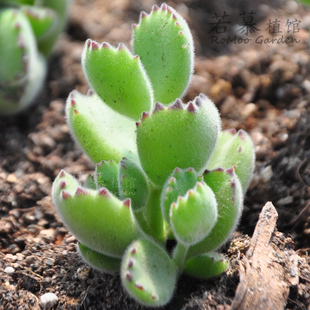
(268, 269)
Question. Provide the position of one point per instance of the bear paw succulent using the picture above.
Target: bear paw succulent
(165, 170)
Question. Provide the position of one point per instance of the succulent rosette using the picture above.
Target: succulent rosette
(164, 169)
(29, 30)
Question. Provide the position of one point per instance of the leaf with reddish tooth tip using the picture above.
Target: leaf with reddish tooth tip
(98, 219)
(167, 55)
(191, 107)
(175, 137)
(65, 195)
(194, 215)
(158, 107)
(148, 274)
(118, 78)
(199, 100)
(143, 15)
(106, 175)
(144, 115)
(121, 47)
(90, 182)
(104, 263)
(104, 44)
(127, 202)
(207, 265)
(177, 105)
(164, 7)
(177, 185)
(133, 184)
(81, 191)
(234, 149)
(42, 20)
(94, 45)
(100, 131)
(228, 193)
(104, 192)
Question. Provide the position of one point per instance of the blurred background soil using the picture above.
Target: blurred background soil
(252, 60)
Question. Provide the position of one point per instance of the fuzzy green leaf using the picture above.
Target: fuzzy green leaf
(228, 193)
(148, 274)
(234, 149)
(97, 218)
(177, 136)
(22, 68)
(90, 182)
(42, 20)
(193, 216)
(165, 45)
(177, 185)
(118, 78)
(106, 175)
(133, 184)
(207, 265)
(61, 9)
(99, 261)
(14, 27)
(101, 132)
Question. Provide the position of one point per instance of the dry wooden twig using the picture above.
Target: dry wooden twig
(268, 269)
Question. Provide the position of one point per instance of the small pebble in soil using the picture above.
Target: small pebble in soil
(30, 259)
(50, 262)
(82, 273)
(9, 270)
(46, 281)
(48, 300)
(11, 257)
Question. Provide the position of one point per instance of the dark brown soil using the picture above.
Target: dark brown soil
(262, 88)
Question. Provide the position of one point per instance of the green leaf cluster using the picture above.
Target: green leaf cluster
(165, 170)
(29, 30)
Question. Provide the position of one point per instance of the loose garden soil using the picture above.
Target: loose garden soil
(259, 80)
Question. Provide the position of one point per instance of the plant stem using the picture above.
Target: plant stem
(179, 255)
(154, 216)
